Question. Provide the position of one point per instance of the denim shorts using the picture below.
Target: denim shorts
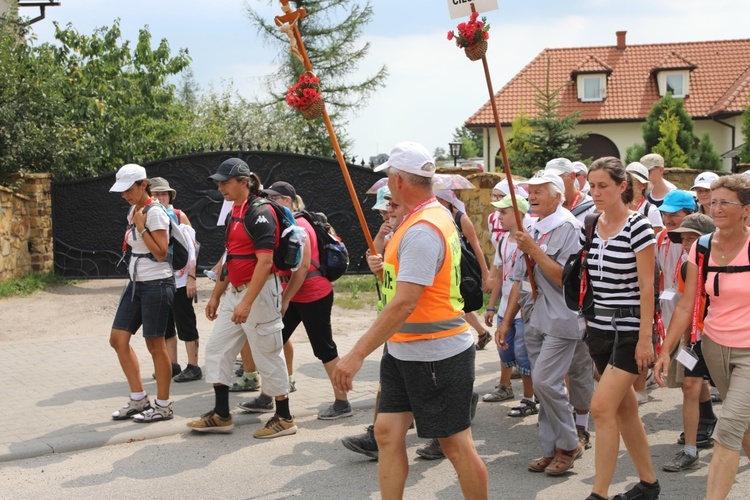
(148, 306)
(438, 393)
(516, 354)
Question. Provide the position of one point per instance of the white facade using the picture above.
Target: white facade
(626, 134)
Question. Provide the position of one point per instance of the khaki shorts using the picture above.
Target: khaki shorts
(730, 371)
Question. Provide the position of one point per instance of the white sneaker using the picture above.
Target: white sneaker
(642, 397)
(651, 381)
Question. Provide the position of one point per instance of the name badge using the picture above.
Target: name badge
(687, 358)
(526, 286)
(668, 295)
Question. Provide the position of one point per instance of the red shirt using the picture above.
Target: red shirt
(316, 287)
(262, 239)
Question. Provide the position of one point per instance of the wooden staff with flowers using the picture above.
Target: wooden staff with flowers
(472, 36)
(306, 96)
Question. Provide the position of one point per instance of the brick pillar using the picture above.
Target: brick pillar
(38, 188)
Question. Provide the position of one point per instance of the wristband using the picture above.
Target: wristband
(492, 309)
(191, 276)
(140, 233)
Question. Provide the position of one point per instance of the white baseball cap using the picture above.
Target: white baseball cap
(546, 177)
(704, 180)
(579, 166)
(410, 157)
(127, 176)
(559, 166)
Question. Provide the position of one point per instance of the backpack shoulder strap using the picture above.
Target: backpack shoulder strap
(660, 239)
(589, 224)
(582, 207)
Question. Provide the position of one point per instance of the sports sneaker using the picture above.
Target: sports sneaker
(651, 381)
(431, 451)
(256, 406)
(239, 371)
(682, 461)
(190, 373)
(641, 491)
(501, 393)
(331, 413)
(584, 437)
(155, 414)
(133, 407)
(245, 384)
(292, 386)
(364, 443)
(211, 422)
(276, 427)
(642, 397)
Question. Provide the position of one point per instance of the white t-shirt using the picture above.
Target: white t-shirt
(653, 215)
(505, 258)
(147, 269)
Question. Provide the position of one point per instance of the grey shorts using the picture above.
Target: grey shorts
(438, 393)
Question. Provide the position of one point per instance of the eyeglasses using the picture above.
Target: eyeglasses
(276, 197)
(724, 204)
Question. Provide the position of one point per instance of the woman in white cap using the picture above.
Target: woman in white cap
(641, 188)
(147, 299)
(702, 189)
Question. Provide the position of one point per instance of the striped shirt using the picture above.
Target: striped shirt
(612, 270)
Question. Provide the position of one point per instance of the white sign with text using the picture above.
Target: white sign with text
(462, 8)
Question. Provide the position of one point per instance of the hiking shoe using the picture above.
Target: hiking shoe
(211, 422)
(584, 437)
(155, 414)
(364, 443)
(276, 427)
(682, 461)
(256, 406)
(133, 407)
(190, 373)
(501, 393)
(431, 451)
(292, 386)
(331, 413)
(641, 491)
(705, 431)
(563, 461)
(245, 384)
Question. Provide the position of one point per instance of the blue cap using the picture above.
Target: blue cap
(677, 200)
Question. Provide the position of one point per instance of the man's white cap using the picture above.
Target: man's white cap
(579, 166)
(704, 180)
(546, 177)
(127, 176)
(504, 188)
(410, 157)
(559, 166)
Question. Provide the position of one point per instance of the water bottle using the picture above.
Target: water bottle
(210, 274)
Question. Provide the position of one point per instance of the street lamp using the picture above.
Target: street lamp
(455, 148)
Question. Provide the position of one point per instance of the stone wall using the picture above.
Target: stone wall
(26, 226)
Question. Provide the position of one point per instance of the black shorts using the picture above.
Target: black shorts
(700, 370)
(601, 344)
(438, 393)
(182, 315)
(316, 318)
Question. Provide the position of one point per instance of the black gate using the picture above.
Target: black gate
(89, 222)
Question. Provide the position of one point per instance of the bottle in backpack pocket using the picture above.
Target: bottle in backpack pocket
(293, 253)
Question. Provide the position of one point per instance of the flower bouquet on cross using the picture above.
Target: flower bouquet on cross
(472, 36)
(305, 96)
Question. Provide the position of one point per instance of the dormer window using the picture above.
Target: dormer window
(676, 84)
(592, 87)
(673, 75)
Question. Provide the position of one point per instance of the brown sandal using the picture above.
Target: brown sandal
(540, 464)
(483, 340)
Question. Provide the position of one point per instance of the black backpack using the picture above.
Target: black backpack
(332, 260)
(575, 274)
(471, 272)
(178, 253)
(287, 252)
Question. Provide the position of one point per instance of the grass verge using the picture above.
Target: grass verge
(355, 291)
(31, 283)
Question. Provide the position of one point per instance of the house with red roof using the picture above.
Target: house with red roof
(615, 87)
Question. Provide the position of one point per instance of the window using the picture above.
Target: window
(592, 88)
(676, 85)
(676, 82)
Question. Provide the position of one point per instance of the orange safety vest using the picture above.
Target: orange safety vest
(439, 312)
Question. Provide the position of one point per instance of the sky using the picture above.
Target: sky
(432, 88)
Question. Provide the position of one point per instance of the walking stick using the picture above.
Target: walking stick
(288, 24)
(506, 164)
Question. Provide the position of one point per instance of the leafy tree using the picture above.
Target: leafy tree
(440, 154)
(652, 127)
(552, 133)
(521, 152)
(745, 152)
(330, 34)
(668, 147)
(472, 144)
(635, 153)
(705, 156)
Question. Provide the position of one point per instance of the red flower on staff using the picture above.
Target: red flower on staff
(470, 32)
(304, 92)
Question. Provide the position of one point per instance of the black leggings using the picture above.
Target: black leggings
(316, 317)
